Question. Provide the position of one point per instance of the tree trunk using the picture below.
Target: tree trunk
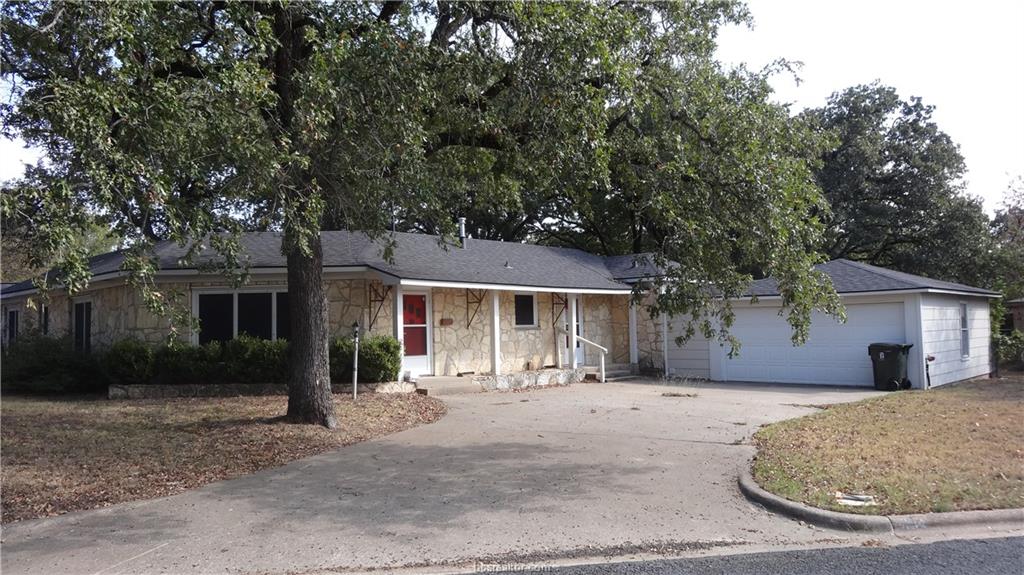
(309, 377)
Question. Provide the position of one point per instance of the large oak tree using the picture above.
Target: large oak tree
(194, 121)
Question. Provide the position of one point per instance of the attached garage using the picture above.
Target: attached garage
(946, 321)
(835, 353)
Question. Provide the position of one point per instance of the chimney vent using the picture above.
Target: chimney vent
(462, 232)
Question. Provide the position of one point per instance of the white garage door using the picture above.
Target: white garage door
(835, 353)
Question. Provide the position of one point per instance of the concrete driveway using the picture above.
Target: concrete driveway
(584, 471)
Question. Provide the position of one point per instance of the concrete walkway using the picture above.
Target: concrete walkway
(569, 472)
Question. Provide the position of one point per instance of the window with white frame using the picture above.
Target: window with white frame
(965, 334)
(225, 315)
(526, 310)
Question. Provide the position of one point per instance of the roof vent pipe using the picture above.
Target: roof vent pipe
(462, 232)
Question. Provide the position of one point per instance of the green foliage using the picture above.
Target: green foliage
(128, 361)
(379, 359)
(193, 121)
(185, 364)
(39, 364)
(35, 363)
(253, 360)
(894, 185)
(1009, 347)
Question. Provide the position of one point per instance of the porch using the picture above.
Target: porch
(514, 333)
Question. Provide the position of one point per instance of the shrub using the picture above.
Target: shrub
(128, 361)
(36, 363)
(1010, 347)
(184, 364)
(379, 359)
(252, 360)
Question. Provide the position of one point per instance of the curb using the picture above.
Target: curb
(874, 523)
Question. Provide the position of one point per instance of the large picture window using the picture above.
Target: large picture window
(226, 315)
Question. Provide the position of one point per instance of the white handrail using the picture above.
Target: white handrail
(601, 348)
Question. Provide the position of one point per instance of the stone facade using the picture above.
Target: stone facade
(462, 331)
(650, 338)
(525, 379)
(461, 328)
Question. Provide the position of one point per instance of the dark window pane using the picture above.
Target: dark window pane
(83, 326)
(12, 326)
(524, 310)
(415, 340)
(254, 314)
(284, 326)
(216, 317)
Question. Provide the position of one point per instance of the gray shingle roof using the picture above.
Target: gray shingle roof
(416, 257)
(632, 267)
(851, 277)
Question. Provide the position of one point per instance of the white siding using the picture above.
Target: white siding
(940, 324)
(690, 359)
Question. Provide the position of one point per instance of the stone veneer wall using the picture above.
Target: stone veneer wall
(606, 322)
(118, 313)
(649, 338)
(526, 348)
(460, 346)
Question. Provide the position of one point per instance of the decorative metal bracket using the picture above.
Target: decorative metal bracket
(474, 297)
(559, 305)
(378, 297)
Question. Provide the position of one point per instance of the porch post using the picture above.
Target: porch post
(398, 311)
(664, 338)
(573, 321)
(495, 332)
(634, 345)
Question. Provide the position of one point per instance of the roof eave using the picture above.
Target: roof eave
(987, 295)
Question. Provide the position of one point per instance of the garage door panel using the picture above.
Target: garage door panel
(834, 354)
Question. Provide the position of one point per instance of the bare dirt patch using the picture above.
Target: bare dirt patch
(61, 455)
(958, 447)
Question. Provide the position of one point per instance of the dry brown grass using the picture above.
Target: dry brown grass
(61, 455)
(957, 447)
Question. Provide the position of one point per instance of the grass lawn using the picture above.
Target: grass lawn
(957, 447)
(68, 454)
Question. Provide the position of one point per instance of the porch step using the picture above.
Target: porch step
(612, 372)
(608, 368)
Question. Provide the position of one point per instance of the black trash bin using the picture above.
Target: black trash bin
(889, 361)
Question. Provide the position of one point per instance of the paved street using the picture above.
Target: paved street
(1002, 556)
(583, 471)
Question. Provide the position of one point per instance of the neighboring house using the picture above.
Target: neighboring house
(494, 307)
(1014, 315)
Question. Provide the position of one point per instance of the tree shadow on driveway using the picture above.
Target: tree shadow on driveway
(380, 491)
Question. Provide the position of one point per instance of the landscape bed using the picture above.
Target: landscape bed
(955, 448)
(69, 454)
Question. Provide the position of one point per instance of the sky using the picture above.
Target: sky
(965, 58)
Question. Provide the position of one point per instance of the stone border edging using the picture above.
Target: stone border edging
(873, 523)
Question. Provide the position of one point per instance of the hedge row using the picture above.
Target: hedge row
(49, 365)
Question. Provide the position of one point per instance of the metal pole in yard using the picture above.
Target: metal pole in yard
(355, 361)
